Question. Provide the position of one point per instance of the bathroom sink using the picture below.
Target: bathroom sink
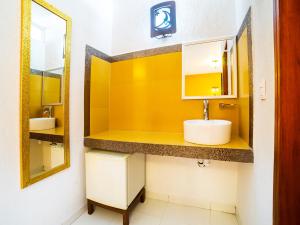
(41, 123)
(207, 132)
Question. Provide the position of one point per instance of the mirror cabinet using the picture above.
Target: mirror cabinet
(209, 69)
(45, 71)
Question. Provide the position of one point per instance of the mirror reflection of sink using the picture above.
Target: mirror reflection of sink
(207, 132)
(41, 123)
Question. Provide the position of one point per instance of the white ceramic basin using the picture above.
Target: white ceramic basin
(41, 123)
(207, 132)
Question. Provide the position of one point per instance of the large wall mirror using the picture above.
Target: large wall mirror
(209, 69)
(45, 63)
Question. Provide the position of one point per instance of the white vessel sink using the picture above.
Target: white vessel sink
(207, 132)
(41, 123)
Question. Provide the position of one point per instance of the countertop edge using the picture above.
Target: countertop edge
(57, 138)
(198, 152)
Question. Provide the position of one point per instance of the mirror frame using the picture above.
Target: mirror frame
(26, 180)
(234, 95)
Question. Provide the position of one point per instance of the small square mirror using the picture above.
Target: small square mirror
(209, 69)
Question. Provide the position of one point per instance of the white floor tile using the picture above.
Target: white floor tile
(184, 215)
(154, 212)
(117, 220)
(144, 219)
(152, 207)
(99, 217)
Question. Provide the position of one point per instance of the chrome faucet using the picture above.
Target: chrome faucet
(206, 109)
(47, 111)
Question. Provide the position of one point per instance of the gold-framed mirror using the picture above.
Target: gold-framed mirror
(45, 73)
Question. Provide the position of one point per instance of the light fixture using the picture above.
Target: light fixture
(215, 90)
(163, 19)
(215, 63)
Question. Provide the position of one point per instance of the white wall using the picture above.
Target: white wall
(57, 198)
(37, 49)
(195, 20)
(255, 182)
(241, 9)
(180, 180)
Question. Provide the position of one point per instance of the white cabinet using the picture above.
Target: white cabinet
(114, 179)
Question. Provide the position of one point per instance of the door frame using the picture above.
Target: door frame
(287, 108)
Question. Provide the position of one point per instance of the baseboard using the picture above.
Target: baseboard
(75, 216)
(157, 196)
(200, 203)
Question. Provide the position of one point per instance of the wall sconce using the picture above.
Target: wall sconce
(163, 19)
(215, 90)
(214, 63)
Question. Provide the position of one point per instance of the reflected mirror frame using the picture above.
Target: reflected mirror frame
(24, 93)
(234, 95)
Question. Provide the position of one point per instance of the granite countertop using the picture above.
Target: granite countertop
(52, 135)
(168, 144)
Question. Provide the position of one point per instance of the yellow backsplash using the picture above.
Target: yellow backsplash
(99, 98)
(145, 95)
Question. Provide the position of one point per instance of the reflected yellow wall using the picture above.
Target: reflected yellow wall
(243, 86)
(35, 97)
(145, 95)
(52, 89)
(59, 115)
(203, 84)
(99, 113)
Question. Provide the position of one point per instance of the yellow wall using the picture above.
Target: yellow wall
(99, 103)
(202, 84)
(35, 98)
(243, 86)
(145, 95)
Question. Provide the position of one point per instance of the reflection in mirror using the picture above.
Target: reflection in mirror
(47, 80)
(209, 70)
(48, 35)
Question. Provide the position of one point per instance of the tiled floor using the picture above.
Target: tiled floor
(154, 212)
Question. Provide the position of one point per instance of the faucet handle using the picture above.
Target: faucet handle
(47, 111)
(205, 102)
(227, 106)
(206, 109)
